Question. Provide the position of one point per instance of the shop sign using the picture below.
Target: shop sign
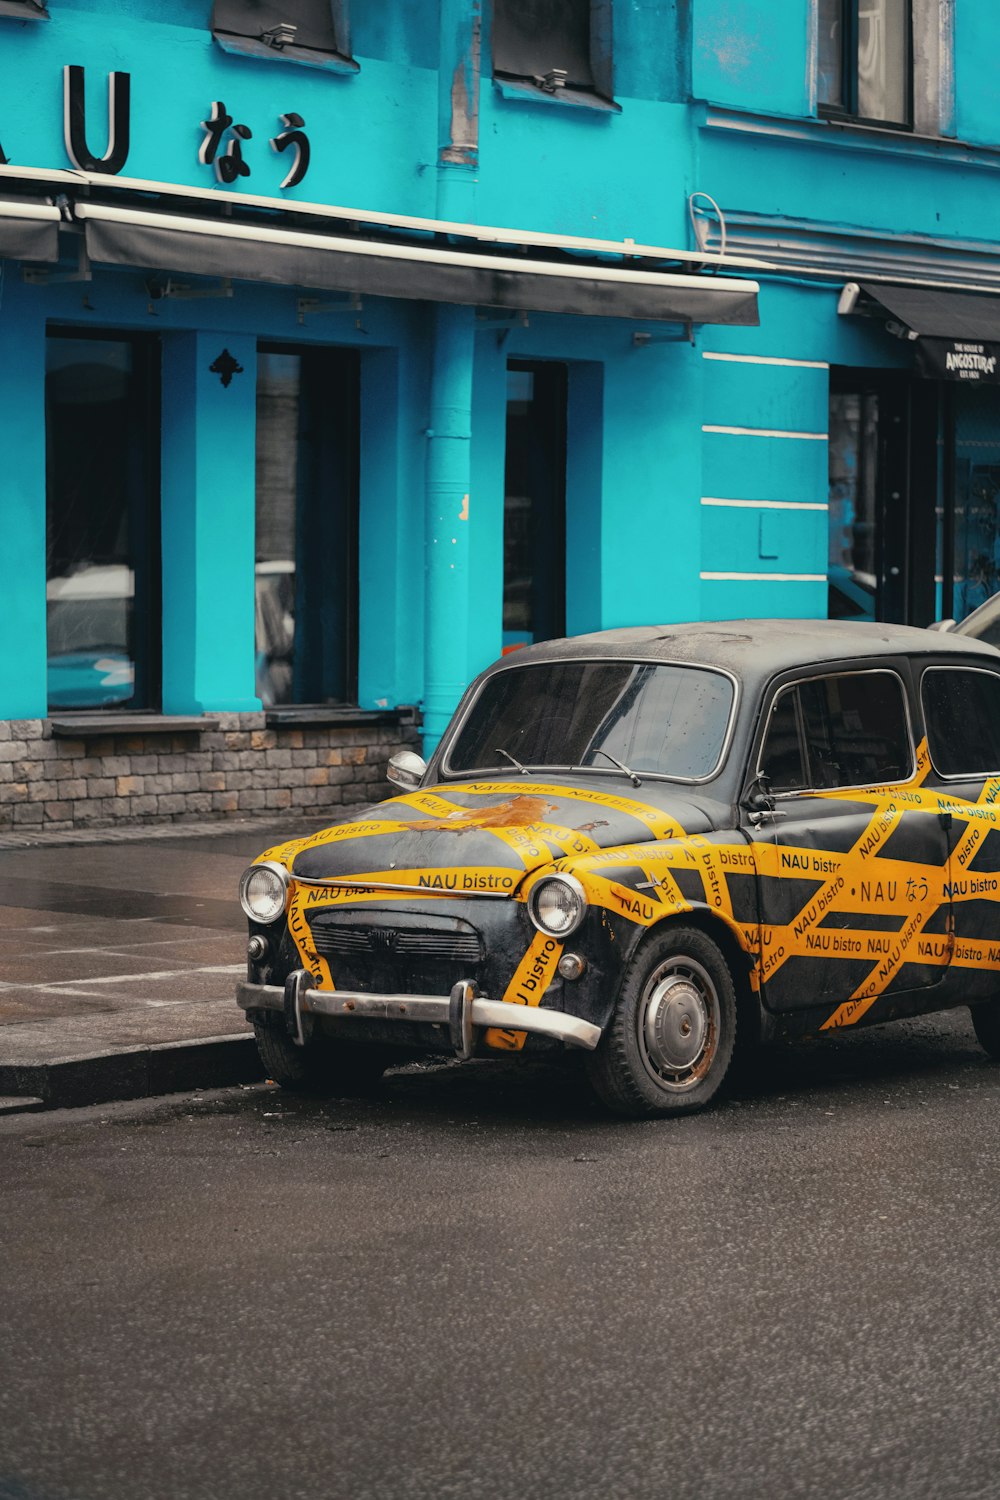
(959, 359)
(224, 147)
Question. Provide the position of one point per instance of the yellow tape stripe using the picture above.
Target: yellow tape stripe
(456, 880)
(302, 937)
(530, 980)
(876, 832)
(878, 981)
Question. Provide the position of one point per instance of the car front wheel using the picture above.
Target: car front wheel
(986, 1024)
(346, 1069)
(670, 1041)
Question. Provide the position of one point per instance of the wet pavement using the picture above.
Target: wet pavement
(474, 1285)
(115, 954)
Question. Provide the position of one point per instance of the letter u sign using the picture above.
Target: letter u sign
(75, 122)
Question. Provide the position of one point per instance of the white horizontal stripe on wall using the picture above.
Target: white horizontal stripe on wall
(767, 432)
(767, 359)
(766, 504)
(765, 577)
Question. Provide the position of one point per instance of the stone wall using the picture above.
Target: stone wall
(240, 767)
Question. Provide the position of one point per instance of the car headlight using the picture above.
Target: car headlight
(557, 905)
(263, 891)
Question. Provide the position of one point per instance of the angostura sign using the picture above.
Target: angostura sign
(959, 359)
(224, 146)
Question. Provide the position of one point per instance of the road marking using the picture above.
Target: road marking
(140, 978)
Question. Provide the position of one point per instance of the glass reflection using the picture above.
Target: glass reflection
(664, 720)
(100, 524)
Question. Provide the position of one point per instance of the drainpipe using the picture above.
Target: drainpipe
(459, 45)
(447, 592)
(449, 435)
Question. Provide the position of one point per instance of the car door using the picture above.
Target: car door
(961, 709)
(850, 850)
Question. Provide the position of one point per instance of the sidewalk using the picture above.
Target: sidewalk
(119, 953)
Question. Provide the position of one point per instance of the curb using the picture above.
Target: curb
(134, 1072)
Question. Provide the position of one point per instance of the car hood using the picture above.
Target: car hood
(486, 836)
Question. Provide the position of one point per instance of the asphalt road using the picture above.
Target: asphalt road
(477, 1285)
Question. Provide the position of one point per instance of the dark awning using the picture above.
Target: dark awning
(423, 270)
(28, 230)
(957, 334)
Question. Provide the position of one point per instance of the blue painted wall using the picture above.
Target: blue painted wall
(715, 95)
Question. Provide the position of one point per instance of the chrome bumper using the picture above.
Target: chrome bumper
(462, 1011)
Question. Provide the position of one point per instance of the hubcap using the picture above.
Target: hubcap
(679, 1024)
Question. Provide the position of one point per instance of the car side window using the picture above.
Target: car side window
(781, 759)
(962, 714)
(847, 729)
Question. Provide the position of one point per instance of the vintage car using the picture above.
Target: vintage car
(661, 845)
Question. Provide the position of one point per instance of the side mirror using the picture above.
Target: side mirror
(406, 769)
(759, 798)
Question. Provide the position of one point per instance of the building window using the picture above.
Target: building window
(307, 526)
(866, 60)
(559, 48)
(313, 32)
(102, 521)
(534, 516)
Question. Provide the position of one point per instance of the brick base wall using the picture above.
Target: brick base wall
(241, 767)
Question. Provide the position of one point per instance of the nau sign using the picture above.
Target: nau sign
(224, 147)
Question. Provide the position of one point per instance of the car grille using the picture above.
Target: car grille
(453, 947)
(397, 952)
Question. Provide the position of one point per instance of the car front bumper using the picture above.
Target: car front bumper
(462, 1011)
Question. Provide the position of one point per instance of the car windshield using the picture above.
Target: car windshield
(662, 720)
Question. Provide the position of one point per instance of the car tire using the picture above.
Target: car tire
(670, 1041)
(348, 1069)
(986, 1024)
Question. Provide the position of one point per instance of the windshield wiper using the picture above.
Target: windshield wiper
(498, 750)
(621, 766)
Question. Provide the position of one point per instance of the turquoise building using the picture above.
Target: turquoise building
(343, 347)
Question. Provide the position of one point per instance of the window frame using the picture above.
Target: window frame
(835, 671)
(600, 58)
(337, 59)
(941, 666)
(848, 112)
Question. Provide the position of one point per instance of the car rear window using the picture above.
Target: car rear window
(847, 729)
(664, 720)
(962, 714)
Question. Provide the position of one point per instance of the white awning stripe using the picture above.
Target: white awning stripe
(12, 208)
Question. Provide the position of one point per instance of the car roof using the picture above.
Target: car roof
(756, 648)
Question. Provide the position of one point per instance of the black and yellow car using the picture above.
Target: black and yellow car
(653, 844)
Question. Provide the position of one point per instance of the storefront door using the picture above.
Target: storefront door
(886, 480)
(534, 539)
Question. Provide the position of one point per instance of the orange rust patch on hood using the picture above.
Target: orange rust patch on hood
(516, 812)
